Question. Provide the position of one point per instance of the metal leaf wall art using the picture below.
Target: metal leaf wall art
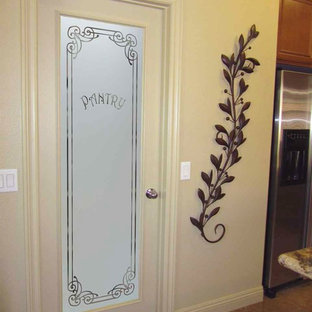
(230, 137)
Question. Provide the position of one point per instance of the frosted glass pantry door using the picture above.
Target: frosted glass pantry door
(100, 73)
(101, 103)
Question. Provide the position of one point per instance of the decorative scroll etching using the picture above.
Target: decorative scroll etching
(128, 42)
(78, 36)
(78, 294)
(126, 287)
(88, 297)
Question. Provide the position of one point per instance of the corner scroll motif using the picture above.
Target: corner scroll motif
(88, 297)
(78, 36)
(78, 294)
(128, 42)
(125, 287)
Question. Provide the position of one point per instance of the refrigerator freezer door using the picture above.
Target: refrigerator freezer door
(287, 224)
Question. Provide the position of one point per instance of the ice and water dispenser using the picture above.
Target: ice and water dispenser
(294, 156)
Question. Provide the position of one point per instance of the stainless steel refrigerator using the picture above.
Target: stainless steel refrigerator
(288, 218)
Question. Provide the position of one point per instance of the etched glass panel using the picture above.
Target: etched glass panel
(100, 76)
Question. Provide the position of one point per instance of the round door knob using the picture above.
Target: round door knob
(151, 193)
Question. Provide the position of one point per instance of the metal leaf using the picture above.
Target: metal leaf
(232, 135)
(226, 61)
(241, 42)
(241, 119)
(253, 32)
(242, 60)
(196, 223)
(245, 122)
(221, 196)
(220, 141)
(225, 108)
(238, 159)
(206, 178)
(239, 138)
(220, 159)
(242, 86)
(228, 102)
(232, 58)
(228, 179)
(214, 212)
(234, 157)
(253, 60)
(247, 70)
(218, 192)
(201, 195)
(214, 161)
(253, 29)
(245, 106)
(242, 141)
(227, 76)
(201, 218)
(221, 129)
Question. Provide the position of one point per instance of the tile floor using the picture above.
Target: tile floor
(293, 299)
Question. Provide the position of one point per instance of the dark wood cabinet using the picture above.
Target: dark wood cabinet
(294, 45)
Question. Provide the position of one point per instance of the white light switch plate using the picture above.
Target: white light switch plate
(185, 172)
(8, 180)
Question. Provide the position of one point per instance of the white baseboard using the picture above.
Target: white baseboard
(228, 303)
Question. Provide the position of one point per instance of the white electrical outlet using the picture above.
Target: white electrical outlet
(8, 180)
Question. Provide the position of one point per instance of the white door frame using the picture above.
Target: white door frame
(172, 10)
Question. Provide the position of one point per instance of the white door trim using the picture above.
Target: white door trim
(30, 152)
(172, 10)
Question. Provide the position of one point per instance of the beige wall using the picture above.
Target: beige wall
(206, 271)
(12, 255)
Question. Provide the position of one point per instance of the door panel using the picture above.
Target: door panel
(101, 79)
(114, 159)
